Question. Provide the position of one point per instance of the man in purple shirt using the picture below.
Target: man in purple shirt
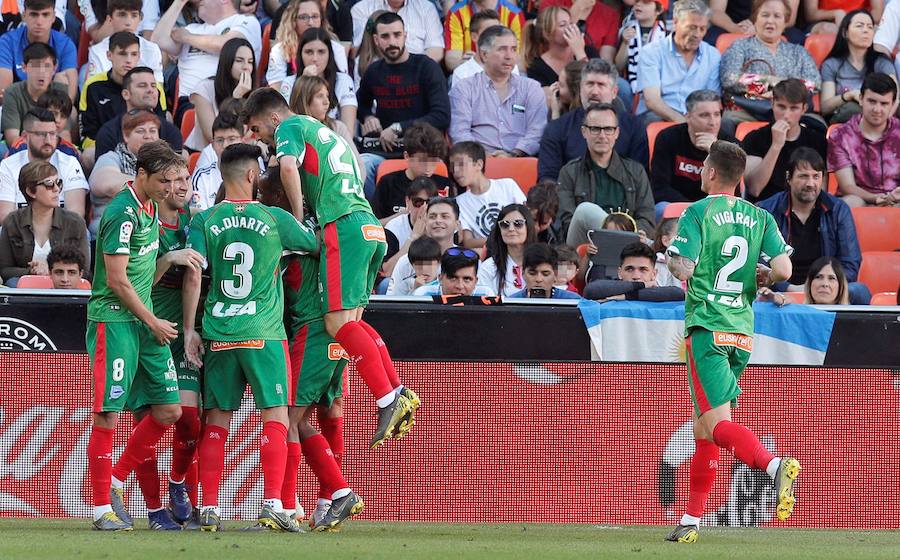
(864, 153)
(504, 112)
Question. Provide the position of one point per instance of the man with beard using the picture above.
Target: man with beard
(39, 131)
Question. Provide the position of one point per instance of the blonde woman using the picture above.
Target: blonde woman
(552, 41)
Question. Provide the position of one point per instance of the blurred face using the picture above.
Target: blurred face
(319, 104)
(142, 134)
(65, 276)
(565, 272)
(770, 21)
(427, 271)
(465, 171)
(46, 192)
(243, 63)
(440, 222)
(861, 31)
(125, 20)
(421, 165)
(142, 92)
(689, 31)
(308, 16)
(462, 282)
(638, 269)
(805, 184)
(597, 88)
(785, 110)
(600, 130)
(415, 205)
(125, 59)
(224, 138)
(542, 276)
(645, 11)
(42, 139)
(706, 117)
(391, 40)
(877, 108)
(512, 228)
(502, 57)
(824, 286)
(315, 53)
(40, 73)
(39, 23)
(484, 25)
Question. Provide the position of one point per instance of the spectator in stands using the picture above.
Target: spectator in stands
(368, 51)
(29, 233)
(562, 95)
(298, 16)
(55, 100)
(459, 276)
(424, 148)
(681, 149)
(410, 224)
(646, 25)
(140, 91)
(752, 66)
(887, 37)
(423, 266)
(67, 266)
(551, 42)
(637, 279)
(41, 137)
(117, 167)
(769, 148)
(601, 23)
(851, 59)
(464, 22)
(829, 16)
(563, 139)
(734, 16)
(863, 152)
(483, 199)
(504, 112)
(567, 267)
(669, 70)
(815, 223)
(501, 274)
(124, 15)
(543, 202)
(441, 225)
(197, 46)
(40, 66)
(540, 261)
(826, 283)
(662, 239)
(235, 78)
(602, 181)
(423, 34)
(470, 62)
(38, 20)
(227, 129)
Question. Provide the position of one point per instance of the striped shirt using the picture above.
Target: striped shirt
(456, 24)
(420, 18)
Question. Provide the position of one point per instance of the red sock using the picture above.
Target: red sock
(141, 445)
(273, 458)
(211, 456)
(703, 474)
(190, 481)
(99, 452)
(362, 349)
(289, 486)
(333, 431)
(386, 360)
(742, 443)
(184, 442)
(320, 459)
(147, 474)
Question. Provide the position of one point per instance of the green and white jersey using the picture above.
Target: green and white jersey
(242, 242)
(329, 174)
(167, 292)
(126, 228)
(725, 236)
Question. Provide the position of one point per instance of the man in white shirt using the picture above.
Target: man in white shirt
(424, 32)
(125, 15)
(197, 45)
(39, 131)
(206, 180)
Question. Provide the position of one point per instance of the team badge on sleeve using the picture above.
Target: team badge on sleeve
(125, 231)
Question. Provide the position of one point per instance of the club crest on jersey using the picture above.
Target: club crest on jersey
(239, 207)
(372, 232)
(336, 352)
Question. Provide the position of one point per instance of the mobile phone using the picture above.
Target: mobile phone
(537, 293)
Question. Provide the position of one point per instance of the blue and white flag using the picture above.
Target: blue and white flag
(626, 331)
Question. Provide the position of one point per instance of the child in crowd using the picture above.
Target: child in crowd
(566, 268)
(425, 257)
(662, 238)
(58, 102)
(642, 26)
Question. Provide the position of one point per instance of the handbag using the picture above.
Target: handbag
(757, 101)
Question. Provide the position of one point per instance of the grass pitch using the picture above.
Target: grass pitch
(26, 539)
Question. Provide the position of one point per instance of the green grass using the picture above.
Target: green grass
(25, 539)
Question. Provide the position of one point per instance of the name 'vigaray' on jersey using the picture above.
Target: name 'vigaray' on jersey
(243, 242)
(725, 237)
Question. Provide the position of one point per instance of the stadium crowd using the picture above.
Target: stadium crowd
(499, 138)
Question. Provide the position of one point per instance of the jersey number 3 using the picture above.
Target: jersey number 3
(242, 255)
(736, 248)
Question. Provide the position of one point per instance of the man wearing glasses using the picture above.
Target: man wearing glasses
(459, 275)
(602, 181)
(39, 131)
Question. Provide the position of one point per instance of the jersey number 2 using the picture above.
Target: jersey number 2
(735, 247)
(338, 167)
(243, 255)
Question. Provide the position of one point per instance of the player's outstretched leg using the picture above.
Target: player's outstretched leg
(184, 448)
(704, 464)
(408, 420)
(785, 476)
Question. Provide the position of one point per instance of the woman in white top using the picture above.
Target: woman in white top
(514, 230)
(235, 78)
(298, 16)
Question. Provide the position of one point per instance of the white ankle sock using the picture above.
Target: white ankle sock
(275, 504)
(338, 494)
(772, 467)
(689, 520)
(116, 483)
(386, 400)
(100, 510)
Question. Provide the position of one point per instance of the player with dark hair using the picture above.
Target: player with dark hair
(245, 343)
(720, 239)
(311, 154)
(128, 343)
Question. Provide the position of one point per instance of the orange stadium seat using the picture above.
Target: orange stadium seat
(652, 130)
(675, 209)
(35, 282)
(745, 128)
(884, 298)
(391, 165)
(263, 62)
(522, 170)
(819, 45)
(832, 184)
(726, 39)
(794, 297)
(192, 162)
(880, 270)
(877, 228)
(187, 123)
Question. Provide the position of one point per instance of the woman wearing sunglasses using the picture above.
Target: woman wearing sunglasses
(513, 231)
(30, 233)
